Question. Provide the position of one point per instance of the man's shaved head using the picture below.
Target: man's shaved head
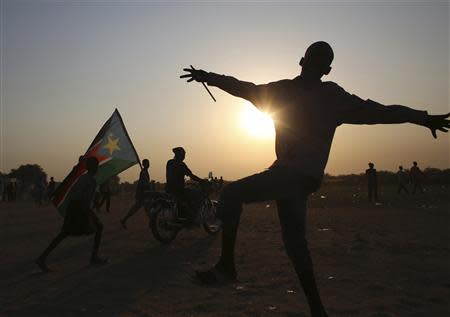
(317, 60)
(319, 53)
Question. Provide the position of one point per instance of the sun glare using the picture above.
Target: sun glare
(256, 123)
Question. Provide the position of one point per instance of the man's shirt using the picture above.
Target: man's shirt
(175, 173)
(84, 189)
(306, 116)
(143, 183)
(51, 186)
(402, 177)
(415, 173)
(371, 174)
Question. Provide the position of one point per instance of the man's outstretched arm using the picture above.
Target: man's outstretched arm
(259, 95)
(354, 110)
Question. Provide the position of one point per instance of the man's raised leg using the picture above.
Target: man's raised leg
(268, 185)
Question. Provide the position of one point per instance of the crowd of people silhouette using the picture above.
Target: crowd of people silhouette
(415, 178)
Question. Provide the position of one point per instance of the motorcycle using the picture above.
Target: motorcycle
(166, 220)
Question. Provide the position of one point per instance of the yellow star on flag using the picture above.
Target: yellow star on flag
(112, 145)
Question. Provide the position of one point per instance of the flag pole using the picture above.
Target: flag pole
(205, 87)
(126, 133)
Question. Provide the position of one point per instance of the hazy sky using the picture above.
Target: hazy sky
(65, 66)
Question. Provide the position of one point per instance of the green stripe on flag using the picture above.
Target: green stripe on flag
(111, 168)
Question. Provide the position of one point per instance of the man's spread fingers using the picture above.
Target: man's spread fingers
(190, 79)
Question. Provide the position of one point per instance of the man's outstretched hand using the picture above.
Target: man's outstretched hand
(438, 122)
(195, 74)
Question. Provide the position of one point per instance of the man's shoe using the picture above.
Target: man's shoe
(42, 265)
(215, 276)
(98, 261)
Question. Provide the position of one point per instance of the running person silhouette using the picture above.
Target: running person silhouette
(306, 113)
(80, 219)
(143, 185)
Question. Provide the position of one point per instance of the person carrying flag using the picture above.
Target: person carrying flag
(110, 153)
(306, 112)
(79, 219)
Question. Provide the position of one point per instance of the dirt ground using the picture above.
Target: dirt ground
(370, 260)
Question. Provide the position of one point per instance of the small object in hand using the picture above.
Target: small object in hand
(205, 87)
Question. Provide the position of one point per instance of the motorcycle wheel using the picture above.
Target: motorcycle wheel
(211, 223)
(162, 220)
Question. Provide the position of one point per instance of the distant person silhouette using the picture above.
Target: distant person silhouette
(402, 180)
(105, 196)
(80, 161)
(3, 185)
(51, 188)
(372, 183)
(10, 191)
(80, 219)
(416, 176)
(214, 181)
(220, 182)
(176, 170)
(40, 188)
(15, 190)
(143, 185)
(306, 113)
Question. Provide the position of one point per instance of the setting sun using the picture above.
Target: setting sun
(256, 123)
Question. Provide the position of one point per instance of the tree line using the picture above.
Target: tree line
(27, 176)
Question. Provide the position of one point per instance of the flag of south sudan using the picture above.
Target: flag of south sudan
(115, 153)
